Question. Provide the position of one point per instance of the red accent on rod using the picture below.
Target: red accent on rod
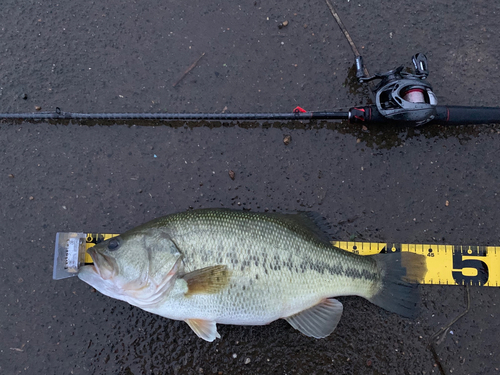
(360, 118)
(299, 110)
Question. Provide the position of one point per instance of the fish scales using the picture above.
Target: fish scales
(292, 268)
(278, 266)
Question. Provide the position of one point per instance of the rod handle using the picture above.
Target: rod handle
(461, 115)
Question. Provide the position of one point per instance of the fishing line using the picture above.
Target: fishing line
(346, 33)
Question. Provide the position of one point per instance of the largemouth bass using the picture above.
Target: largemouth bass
(214, 266)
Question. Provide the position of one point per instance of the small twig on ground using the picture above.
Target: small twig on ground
(19, 349)
(191, 67)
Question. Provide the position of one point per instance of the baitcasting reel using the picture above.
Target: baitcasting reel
(403, 96)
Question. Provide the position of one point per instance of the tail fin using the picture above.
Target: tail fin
(399, 272)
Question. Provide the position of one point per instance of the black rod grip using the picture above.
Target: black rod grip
(445, 115)
(459, 115)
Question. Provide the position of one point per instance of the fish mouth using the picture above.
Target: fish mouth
(104, 266)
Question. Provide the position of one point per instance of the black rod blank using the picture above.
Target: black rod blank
(58, 115)
(445, 115)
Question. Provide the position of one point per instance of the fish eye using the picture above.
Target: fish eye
(113, 244)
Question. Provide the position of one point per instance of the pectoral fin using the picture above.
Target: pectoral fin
(207, 280)
(318, 321)
(205, 329)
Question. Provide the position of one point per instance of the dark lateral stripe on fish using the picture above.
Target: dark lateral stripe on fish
(361, 274)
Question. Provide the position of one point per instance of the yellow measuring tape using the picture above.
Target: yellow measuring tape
(446, 264)
(95, 238)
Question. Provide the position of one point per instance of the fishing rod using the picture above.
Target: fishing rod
(401, 97)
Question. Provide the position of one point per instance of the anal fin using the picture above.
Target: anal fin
(318, 321)
(205, 329)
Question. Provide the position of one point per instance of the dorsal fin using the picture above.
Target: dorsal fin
(307, 223)
(310, 223)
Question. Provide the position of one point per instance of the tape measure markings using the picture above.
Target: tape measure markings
(95, 238)
(446, 264)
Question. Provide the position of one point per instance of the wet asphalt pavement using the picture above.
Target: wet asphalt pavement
(379, 183)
